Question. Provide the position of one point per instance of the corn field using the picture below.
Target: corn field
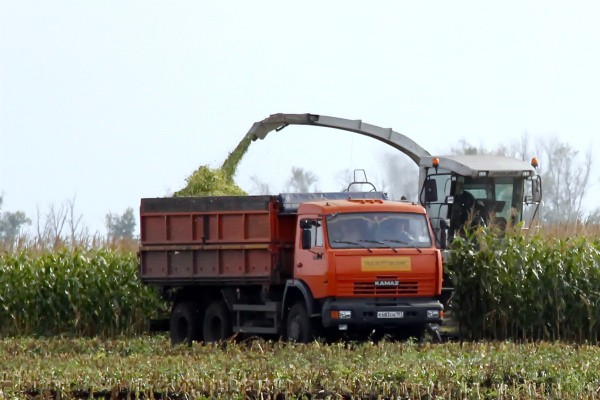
(71, 322)
(527, 288)
(73, 292)
(521, 288)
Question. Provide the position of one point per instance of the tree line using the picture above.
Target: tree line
(62, 225)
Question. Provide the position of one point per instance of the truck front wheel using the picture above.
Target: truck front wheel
(217, 322)
(184, 326)
(298, 325)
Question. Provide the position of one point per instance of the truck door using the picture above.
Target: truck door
(310, 263)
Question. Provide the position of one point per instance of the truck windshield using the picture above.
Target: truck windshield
(354, 230)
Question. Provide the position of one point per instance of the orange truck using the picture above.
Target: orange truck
(288, 265)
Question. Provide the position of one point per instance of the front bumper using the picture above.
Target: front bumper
(380, 313)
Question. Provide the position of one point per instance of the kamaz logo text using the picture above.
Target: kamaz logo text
(386, 283)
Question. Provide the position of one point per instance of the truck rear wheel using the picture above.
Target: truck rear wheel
(184, 325)
(217, 322)
(298, 325)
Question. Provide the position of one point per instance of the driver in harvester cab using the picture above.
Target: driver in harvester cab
(467, 213)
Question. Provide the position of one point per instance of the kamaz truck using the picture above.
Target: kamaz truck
(292, 266)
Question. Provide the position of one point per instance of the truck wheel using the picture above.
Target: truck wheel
(217, 322)
(298, 325)
(184, 325)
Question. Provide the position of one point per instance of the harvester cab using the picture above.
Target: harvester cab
(462, 191)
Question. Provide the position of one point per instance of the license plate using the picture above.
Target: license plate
(390, 314)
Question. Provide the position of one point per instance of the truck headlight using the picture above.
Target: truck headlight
(433, 314)
(344, 314)
(341, 314)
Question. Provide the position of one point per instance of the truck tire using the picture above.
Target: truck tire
(184, 326)
(217, 322)
(298, 325)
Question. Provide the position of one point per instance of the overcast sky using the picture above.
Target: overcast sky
(106, 102)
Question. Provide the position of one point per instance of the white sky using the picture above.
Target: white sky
(110, 101)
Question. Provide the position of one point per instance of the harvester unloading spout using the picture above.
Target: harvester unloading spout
(277, 122)
(498, 182)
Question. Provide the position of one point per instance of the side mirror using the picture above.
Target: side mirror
(306, 239)
(430, 189)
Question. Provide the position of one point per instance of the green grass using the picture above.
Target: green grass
(148, 366)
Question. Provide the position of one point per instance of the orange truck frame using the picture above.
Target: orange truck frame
(279, 265)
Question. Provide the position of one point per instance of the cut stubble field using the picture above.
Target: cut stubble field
(149, 367)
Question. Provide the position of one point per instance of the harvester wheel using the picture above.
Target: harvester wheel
(298, 325)
(184, 325)
(217, 322)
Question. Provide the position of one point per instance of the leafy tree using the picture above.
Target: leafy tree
(566, 180)
(60, 225)
(11, 224)
(302, 181)
(467, 148)
(258, 186)
(121, 227)
(401, 177)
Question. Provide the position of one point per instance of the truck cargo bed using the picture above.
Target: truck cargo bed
(216, 239)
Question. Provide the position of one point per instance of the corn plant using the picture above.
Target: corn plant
(526, 287)
(73, 291)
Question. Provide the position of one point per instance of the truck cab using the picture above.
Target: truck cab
(369, 265)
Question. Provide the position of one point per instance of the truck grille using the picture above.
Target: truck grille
(384, 286)
(370, 288)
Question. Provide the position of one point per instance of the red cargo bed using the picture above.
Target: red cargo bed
(216, 239)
